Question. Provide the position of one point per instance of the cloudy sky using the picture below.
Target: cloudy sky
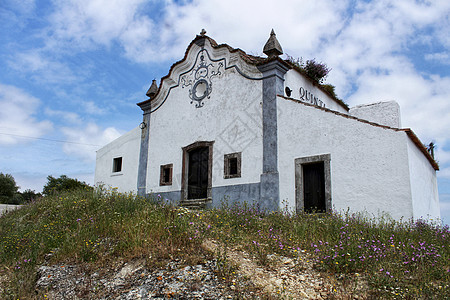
(73, 71)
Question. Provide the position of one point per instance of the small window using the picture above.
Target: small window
(117, 164)
(232, 165)
(166, 175)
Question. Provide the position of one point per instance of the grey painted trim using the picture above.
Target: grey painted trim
(230, 194)
(299, 188)
(273, 84)
(143, 157)
(168, 197)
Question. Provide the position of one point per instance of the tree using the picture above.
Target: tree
(61, 184)
(30, 195)
(8, 189)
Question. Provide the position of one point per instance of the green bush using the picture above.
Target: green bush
(8, 189)
(62, 184)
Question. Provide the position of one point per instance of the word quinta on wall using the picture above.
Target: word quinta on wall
(307, 96)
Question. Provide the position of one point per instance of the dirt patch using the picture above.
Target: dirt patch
(284, 277)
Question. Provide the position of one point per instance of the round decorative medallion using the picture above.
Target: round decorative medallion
(200, 90)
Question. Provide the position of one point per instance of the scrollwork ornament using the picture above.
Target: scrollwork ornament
(199, 78)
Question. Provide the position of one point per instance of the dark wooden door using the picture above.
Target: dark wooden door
(314, 187)
(198, 173)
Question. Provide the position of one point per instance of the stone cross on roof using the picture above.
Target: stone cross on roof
(272, 47)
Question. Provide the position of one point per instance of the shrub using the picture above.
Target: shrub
(8, 189)
(29, 196)
(62, 184)
(317, 71)
(330, 89)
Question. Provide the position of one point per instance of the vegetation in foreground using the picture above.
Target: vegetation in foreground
(399, 259)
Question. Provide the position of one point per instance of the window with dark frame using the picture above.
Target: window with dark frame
(166, 175)
(117, 164)
(232, 165)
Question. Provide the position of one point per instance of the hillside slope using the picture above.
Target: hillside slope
(105, 245)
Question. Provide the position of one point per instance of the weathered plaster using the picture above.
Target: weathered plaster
(369, 165)
(231, 117)
(424, 189)
(127, 147)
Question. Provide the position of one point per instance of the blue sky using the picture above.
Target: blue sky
(73, 71)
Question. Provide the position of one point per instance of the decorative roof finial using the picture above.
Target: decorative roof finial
(203, 32)
(272, 47)
(152, 90)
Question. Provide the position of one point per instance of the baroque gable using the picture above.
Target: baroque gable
(203, 63)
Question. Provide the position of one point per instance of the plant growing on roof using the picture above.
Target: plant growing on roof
(317, 71)
(330, 89)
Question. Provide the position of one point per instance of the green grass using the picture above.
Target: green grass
(399, 259)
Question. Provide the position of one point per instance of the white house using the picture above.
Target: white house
(226, 125)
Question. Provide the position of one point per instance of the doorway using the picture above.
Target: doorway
(198, 173)
(196, 182)
(314, 187)
(313, 184)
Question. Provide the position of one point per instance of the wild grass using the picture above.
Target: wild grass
(399, 259)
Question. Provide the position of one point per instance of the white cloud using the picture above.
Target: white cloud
(300, 25)
(88, 139)
(444, 203)
(88, 23)
(363, 42)
(441, 57)
(67, 116)
(42, 67)
(23, 6)
(18, 116)
(91, 108)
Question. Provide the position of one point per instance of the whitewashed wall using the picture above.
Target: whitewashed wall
(369, 167)
(294, 80)
(127, 146)
(231, 118)
(424, 189)
(384, 113)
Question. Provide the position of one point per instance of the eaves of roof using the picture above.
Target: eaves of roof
(408, 131)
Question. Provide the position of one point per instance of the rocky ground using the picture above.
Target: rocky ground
(234, 274)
